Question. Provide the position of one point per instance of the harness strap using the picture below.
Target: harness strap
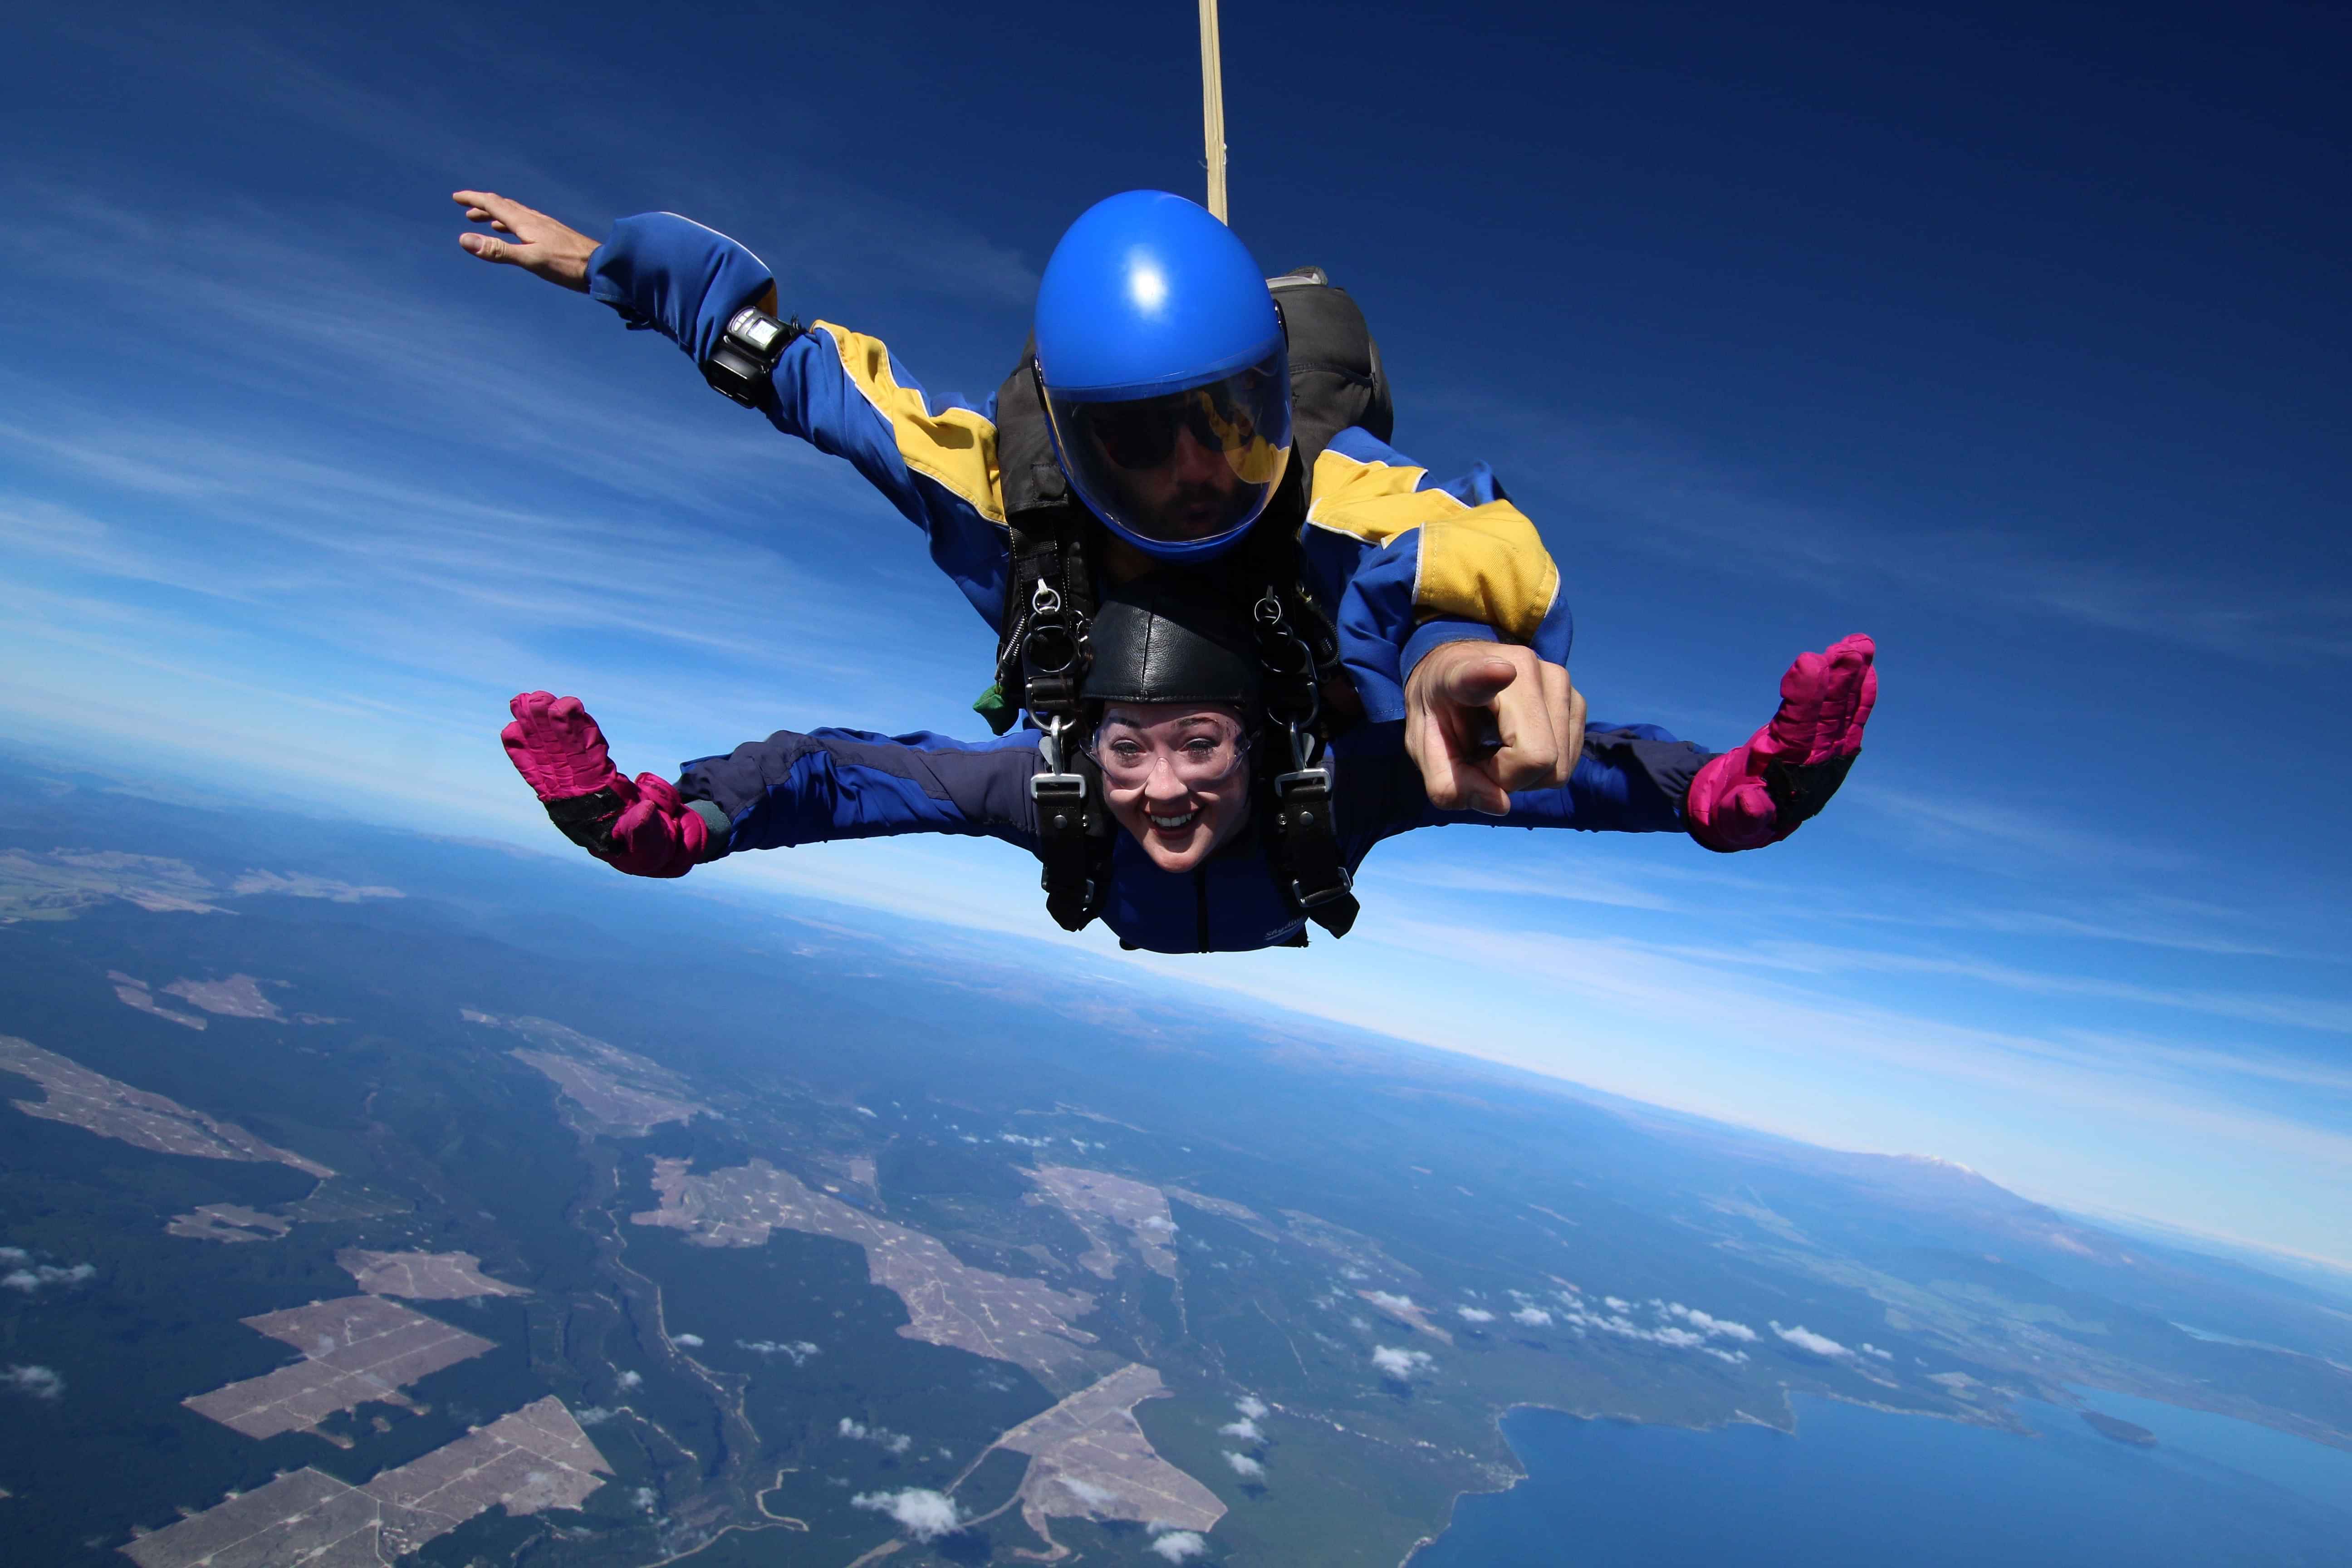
(1302, 849)
(1048, 533)
(1073, 830)
(1072, 848)
(1048, 548)
(1306, 851)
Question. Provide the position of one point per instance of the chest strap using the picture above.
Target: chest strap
(1073, 829)
(1301, 845)
(1303, 852)
(1073, 852)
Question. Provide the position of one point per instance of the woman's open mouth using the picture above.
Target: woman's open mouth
(1176, 824)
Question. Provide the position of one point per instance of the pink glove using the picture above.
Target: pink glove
(1764, 790)
(643, 828)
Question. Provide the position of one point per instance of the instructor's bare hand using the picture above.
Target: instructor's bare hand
(1463, 697)
(533, 241)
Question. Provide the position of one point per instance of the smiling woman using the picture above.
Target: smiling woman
(1162, 764)
(1171, 740)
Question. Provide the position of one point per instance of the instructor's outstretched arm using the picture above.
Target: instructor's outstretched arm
(534, 241)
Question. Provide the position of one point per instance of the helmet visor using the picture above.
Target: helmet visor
(1185, 472)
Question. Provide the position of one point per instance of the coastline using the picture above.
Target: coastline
(1787, 1427)
(1453, 1506)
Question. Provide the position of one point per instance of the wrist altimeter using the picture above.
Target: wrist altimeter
(746, 354)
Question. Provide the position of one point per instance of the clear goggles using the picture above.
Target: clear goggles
(1200, 749)
(1185, 472)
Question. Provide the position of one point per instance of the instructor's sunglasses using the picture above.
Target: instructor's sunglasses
(1142, 434)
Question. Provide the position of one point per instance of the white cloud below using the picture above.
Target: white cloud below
(42, 1275)
(40, 1382)
(922, 1512)
(1805, 1340)
(1393, 1361)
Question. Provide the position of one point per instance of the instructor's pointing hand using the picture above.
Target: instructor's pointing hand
(1463, 697)
(535, 242)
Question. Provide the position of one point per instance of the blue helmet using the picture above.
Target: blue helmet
(1166, 378)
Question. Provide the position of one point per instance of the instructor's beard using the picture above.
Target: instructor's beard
(1193, 495)
(1197, 512)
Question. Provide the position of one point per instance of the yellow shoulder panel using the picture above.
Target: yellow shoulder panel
(956, 449)
(1484, 563)
(1374, 502)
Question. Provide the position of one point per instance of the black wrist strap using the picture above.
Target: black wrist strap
(747, 354)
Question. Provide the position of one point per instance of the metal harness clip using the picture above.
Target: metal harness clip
(1056, 784)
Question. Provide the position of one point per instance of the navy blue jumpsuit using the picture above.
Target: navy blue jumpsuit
(793, 789)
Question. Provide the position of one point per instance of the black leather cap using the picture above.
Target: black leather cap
(1162, 639)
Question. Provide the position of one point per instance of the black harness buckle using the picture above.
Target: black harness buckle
(1346, 888)
(1068, 848)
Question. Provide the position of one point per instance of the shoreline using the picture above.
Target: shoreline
(1787, 1394)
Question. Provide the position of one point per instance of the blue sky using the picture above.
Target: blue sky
(2015, 339)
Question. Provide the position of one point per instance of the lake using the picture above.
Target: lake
(1862, 1489)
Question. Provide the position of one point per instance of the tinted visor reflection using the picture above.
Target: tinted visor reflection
(1184, 467)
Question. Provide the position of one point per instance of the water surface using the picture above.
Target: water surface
(1862, 1489)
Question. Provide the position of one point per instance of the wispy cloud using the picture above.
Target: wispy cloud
(1567, 880)
(882, 1437)
(1714, 1327)
(1811, 1344)
(1086, 1493)
(31, 1279)
(1666, 496)
(925, 1514)
(2318, 1014)
(38, 1381)
(1969, 825)
(1690, 990)
(2149, 920)
(796, 1351)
